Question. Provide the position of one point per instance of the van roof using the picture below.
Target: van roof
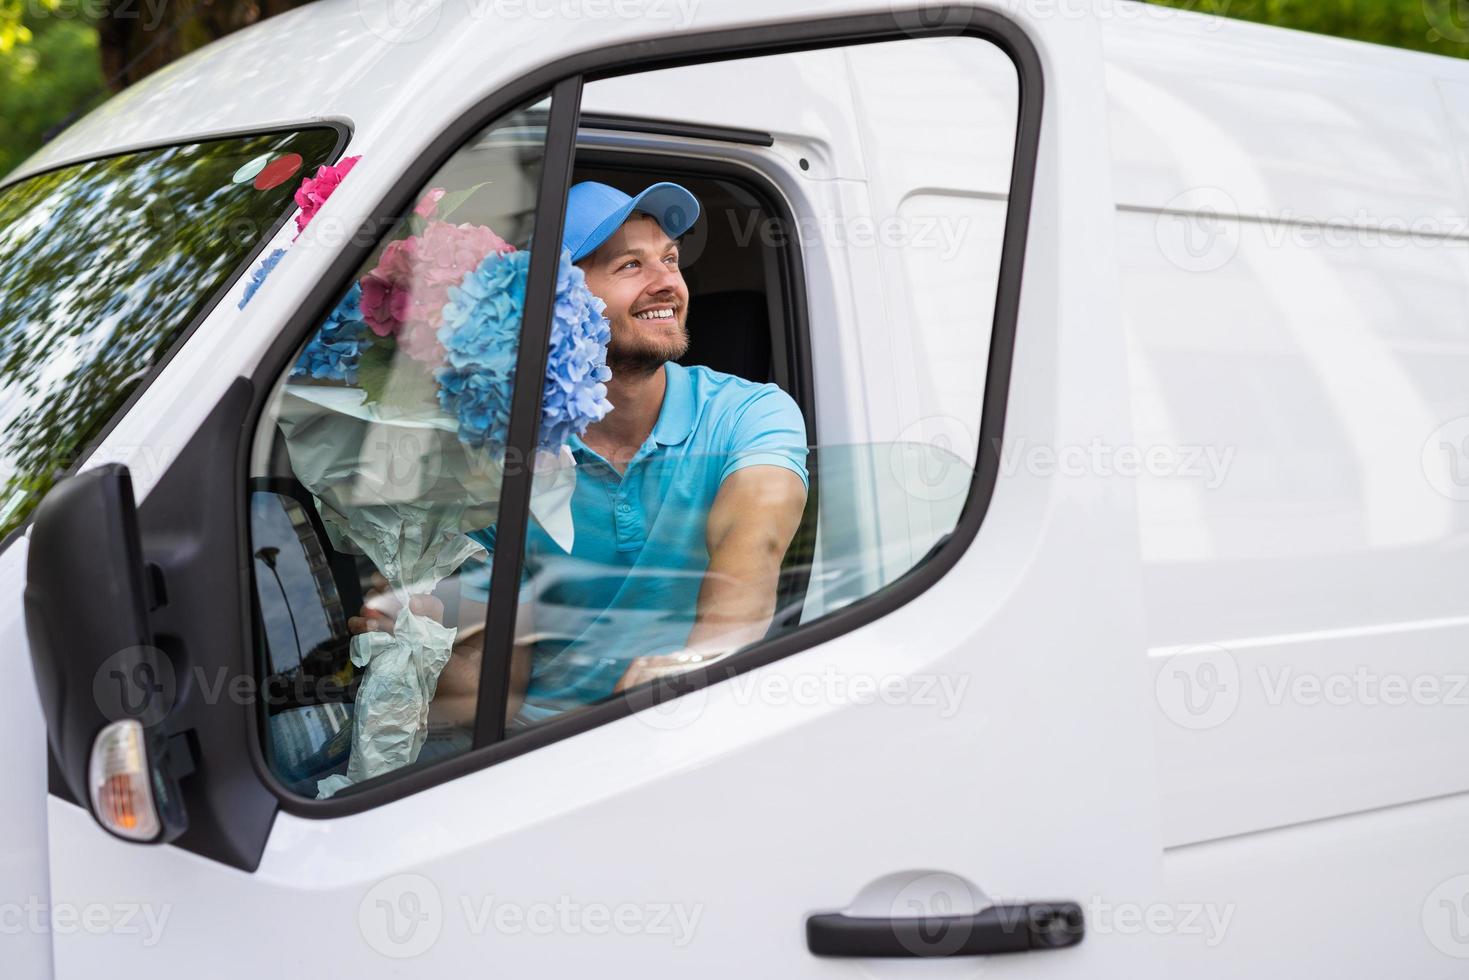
(405, 79)
(345, 60)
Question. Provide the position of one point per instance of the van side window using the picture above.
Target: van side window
(380, 451)
(764, 371)
(721, 503)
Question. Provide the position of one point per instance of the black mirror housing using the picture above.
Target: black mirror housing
(99, 674)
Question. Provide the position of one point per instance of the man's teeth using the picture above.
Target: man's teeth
(665, 313)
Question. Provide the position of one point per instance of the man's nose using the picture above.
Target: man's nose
(666, 279)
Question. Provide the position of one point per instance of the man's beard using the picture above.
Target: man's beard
(643, 356)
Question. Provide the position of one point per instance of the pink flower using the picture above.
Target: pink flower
(314, 191)
(429, 203)
(404, 295)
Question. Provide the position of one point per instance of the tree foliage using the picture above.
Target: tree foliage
(50, 73)
(1435, 26)
(106, 263)
(61, 58)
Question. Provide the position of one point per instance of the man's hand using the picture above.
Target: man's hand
(644, 669)
(381, 608)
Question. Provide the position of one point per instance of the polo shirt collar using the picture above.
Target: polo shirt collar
(676, 415)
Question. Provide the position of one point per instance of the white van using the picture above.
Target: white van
(1124, 634)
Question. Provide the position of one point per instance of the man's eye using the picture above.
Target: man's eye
(629, 264)
(671, 258)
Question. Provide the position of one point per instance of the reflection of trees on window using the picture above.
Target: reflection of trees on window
(104, 264)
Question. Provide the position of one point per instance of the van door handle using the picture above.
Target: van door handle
(1015, 928)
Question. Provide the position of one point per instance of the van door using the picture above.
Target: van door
(943, 751)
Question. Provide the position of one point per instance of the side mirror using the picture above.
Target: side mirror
(106, 689)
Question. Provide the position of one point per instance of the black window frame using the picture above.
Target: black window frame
(563, 79)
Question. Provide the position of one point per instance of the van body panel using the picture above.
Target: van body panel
(1294, 260)
(1363, 895)
(23, 846)
(1324, 545)
(1279, 125)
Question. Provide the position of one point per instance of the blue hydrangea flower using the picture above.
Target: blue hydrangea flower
(480, 330)
(334, 351)
(258, 274)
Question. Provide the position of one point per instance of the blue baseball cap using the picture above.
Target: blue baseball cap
(595, 211)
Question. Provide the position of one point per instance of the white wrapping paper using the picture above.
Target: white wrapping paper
(400, 488)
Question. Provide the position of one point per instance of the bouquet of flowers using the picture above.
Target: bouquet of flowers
(405, 454)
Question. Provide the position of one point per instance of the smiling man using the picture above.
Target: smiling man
(688, 492)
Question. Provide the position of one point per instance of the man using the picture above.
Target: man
(688, 492)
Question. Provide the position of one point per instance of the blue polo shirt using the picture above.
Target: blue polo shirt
(630, 585)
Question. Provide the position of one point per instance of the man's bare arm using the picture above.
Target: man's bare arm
(754, 517)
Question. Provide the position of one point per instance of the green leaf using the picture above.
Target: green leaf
(374, 370)
(454, 200)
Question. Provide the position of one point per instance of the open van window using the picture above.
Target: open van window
(668, 519)
(107, 263)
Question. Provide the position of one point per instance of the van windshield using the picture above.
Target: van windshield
(105, 264)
